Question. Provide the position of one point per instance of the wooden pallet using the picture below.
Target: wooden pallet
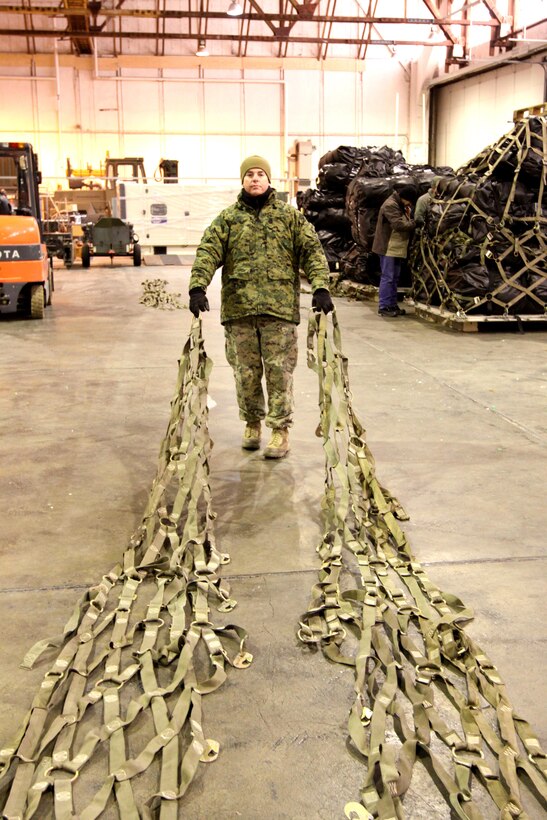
(354, 290)
(471, 324)
(364, 292)
(539, 110)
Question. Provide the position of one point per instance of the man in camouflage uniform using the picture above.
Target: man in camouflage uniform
(261, 244)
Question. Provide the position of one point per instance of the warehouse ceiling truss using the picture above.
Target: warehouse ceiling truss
(280, 28)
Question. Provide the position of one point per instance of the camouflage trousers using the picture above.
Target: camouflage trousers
(257, 346)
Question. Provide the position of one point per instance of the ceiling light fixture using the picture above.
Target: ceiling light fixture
(235, 9)
(202, 49)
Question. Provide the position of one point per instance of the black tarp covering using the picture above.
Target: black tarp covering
(352, 184)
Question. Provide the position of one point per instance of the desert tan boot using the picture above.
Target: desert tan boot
(278, 445)
(251, 436)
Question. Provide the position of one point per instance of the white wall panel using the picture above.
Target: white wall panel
(46, 146)
(95, 147)
(44, 102)
(262, 108)
(139, 105)
(220, 159)
(207, 125)
(187, 149)
(304, 102)
(17, 98)
(384, 105)
(84, 116)
(270, 147)
(339, 103)
(99, 104)
(223, 104)
(182, 107)
(476, 111)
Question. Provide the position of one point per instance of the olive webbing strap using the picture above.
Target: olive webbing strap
(139, 650)
(423, 689)
(155, 295)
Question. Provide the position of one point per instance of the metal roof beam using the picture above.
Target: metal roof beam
(261, 15)
(147, 35)
(440, 21)
(502, 41)
(494, 13)
(77, 16)
(55, 11)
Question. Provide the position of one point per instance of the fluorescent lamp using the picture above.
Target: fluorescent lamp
(235, 9)
(202, 49)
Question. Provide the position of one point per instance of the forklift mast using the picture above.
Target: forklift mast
(125, 167)
(20, 177)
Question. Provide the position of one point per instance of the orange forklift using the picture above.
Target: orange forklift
(26, 269)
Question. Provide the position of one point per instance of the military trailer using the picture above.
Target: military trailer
(110, 236)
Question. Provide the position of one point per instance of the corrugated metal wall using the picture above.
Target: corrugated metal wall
(475, 111)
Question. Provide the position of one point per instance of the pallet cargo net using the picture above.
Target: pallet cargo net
(484, 244)
(424, 691)
(118, 716)
(117, 723)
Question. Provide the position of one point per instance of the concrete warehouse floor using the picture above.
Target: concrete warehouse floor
(457, 425)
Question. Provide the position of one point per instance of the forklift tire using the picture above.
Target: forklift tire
(137, 255)
(37, 302)
(86, 256)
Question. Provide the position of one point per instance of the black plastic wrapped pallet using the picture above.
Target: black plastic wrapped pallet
(482, 249)
(471, 279)
(334, 246)
(538, 291)
(335, 220)
(334, 177)
(380, 162)
(316, 200)
(366, 195)
(365, 192)
(346, 154)
(360, 266)
(352, 184)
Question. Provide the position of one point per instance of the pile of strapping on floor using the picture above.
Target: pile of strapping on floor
(484, 244)
(424, 691)
(140, 650)
(155, 294)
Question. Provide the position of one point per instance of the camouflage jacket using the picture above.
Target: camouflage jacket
(261, 254)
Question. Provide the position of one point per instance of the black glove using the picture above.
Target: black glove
(198, 301)
(321, 301)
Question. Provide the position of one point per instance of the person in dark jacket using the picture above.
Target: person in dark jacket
(391, 238)
(5, 207)
(424, 201)
(261, 244)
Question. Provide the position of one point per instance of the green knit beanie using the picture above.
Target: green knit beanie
(256, 162)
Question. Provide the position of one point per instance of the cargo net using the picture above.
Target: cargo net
(424, 691)
(156, 295)
(483, 246)
(122, 703)
(117, 721)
